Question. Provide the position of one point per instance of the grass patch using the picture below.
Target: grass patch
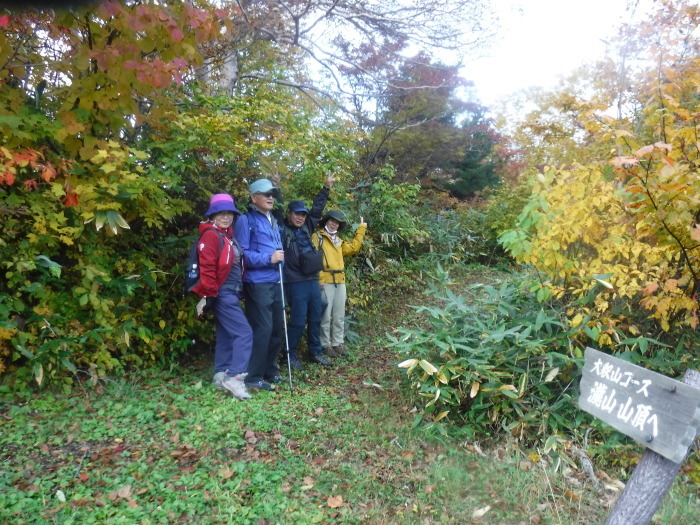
(167, 447)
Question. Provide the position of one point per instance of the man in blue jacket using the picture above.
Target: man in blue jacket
(301, 284)
(258, 233)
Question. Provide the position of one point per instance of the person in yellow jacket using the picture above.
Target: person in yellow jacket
(332, 277)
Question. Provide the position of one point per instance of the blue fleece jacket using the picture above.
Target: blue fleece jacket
(259, 241)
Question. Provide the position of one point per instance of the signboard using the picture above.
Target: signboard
(660, 413)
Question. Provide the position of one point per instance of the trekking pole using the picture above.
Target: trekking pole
(286, 336)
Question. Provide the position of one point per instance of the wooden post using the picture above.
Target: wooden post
(649, 483)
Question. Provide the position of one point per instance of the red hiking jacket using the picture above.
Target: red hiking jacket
(214, 266)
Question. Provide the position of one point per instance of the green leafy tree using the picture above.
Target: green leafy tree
(110, 146)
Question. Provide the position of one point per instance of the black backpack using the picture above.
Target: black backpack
(192, 268)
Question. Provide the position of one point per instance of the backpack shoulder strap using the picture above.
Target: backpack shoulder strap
(320, 248)
(221, 237)
(287, 236)
(252, 227)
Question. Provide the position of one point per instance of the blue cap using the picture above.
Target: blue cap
(261, 186)
(297, 206)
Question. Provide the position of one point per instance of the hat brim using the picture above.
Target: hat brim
(322, 223)
(222, 206)
(261, 186)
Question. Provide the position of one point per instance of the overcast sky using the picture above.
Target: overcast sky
(541, 40)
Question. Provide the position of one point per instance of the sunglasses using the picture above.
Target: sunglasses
(268, 194)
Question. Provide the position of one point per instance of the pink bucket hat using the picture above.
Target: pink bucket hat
(221, 202)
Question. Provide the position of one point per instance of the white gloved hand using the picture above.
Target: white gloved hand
(200, 306)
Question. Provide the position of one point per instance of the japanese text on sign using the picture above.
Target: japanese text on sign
(606, 398)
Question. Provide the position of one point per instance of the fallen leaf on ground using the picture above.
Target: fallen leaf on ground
(571, 495)
(124, 492)
(478, 513)
(308, 483)
(335, 502)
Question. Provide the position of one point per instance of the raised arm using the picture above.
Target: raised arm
(352, 247)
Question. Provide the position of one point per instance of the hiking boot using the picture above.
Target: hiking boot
(261, 385)
(340, 350)
(236, 386)
(274, 379)
(330, 351)
(318, 358)
(294, 363)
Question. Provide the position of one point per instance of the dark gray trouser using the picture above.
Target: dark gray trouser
(263, 303)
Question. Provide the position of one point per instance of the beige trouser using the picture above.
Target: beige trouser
(333, 319)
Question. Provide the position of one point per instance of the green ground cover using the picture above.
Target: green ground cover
(164, 446)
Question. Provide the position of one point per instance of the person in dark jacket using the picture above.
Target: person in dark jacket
(221, 265)
(301, 283)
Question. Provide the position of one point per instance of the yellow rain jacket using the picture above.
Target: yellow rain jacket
(333, 265)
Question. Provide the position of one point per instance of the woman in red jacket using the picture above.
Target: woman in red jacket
(221, 267)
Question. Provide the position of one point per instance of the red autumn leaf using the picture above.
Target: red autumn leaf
(71, 199)
(83, 476)
(4, 20)
(136, 24)
(48, 173)
(7, 178)
(176, 34)
(143, 76)
(30, 184)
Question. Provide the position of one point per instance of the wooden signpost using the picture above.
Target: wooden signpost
(659, 412)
